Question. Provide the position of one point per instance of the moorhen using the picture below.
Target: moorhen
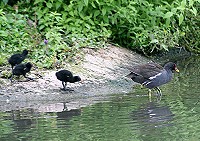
(152, 75)
(16, 59)
(66, 76)
(21, 69)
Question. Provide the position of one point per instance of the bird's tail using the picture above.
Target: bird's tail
(130, 75)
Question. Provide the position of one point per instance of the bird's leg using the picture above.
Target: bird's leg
(141, 86)
(149, 93)
(28, 77)
(11, 78)
(64, 86)
(65, 107)
(159, 93)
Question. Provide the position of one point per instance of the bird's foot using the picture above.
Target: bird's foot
(66, 89)
(11, 81)
(29, 78)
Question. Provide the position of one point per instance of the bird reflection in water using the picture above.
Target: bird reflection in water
(68, 114)
(22, 119)
(152, 115)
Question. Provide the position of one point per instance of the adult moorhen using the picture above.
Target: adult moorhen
(66, 76)
(16, 59)
(152, 75)
(21, 69)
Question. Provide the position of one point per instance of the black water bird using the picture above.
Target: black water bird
(21, 69)
(66, 76)
(152, 75)
(16, 59)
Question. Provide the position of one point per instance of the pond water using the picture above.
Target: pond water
(121, 117)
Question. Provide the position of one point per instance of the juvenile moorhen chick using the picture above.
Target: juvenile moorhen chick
(16, 59)
(152, 75)
(21, 69)
(66, 76)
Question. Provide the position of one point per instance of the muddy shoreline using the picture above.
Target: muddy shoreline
(102, 72)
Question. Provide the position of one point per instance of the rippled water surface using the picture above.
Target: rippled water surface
(121, 117)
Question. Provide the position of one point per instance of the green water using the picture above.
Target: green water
(123, 117)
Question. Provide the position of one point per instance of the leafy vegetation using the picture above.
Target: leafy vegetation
(147, 26)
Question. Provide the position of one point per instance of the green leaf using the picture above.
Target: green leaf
(3, 33)
(49, 5)
(86, 2)
(38, 1)
(183, 3)
(21, 22)
(5, 1)
(191, 2)
(39, 15)
(113, 20)
(87, 25)
(80, 7)
(181, 18)
(41, 27)
(44, 11)
(93, 5)
(164, 47)
(91, 22)
(71, 13)
(194, 11)
(68, 20)
(96, 13)
(154, 41)
(58, 4)
(105, 18)
(167, 22)
(168, 15)
(97, 2)
(104, 11)
(174, 10)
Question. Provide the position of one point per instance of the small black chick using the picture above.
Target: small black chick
(16, 59)
(66, 76)
(21, 69)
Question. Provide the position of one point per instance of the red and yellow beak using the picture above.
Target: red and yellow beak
(176, 69)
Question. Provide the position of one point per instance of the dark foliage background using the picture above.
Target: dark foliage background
(146, 26)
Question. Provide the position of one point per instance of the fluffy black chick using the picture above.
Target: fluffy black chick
(66, 76)
(21, 69)
(16, 59)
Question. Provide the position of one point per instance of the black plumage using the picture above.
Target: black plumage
(21, 69)
(16, 59)
(152, 75)
(66, 76)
